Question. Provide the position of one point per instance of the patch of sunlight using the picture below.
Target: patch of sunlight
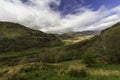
(77, 39)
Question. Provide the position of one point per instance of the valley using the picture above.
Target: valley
(27, 54)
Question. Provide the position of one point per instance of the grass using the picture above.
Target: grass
(45, 54)
(60, 71)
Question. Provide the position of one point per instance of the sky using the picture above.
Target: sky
(61, 16)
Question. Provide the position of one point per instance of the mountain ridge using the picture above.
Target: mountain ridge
(106, 45)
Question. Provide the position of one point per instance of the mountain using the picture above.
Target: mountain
(106, 46)
(78, 34)
(15, 37)
(31, 64)
(88, 32)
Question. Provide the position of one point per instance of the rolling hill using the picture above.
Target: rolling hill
(106, 45)
(15, 37)
(64, 62)
(71, 35)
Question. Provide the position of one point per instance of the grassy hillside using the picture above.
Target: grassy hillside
(84, 60)
(15, 37)
(106, 46)
(46, 54)
(72, 35)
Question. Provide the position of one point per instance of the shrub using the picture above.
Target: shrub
(88, 59)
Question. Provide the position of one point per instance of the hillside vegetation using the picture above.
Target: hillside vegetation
(27, 54)
(15, 37)
(106, 46)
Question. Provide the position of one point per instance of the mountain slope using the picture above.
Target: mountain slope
(15, 37)
(107, 44)
(78, 34)
(105, 47)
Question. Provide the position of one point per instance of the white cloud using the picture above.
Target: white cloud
(38, 15)
(112, 17)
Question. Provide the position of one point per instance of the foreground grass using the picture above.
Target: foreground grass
(60, 71)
